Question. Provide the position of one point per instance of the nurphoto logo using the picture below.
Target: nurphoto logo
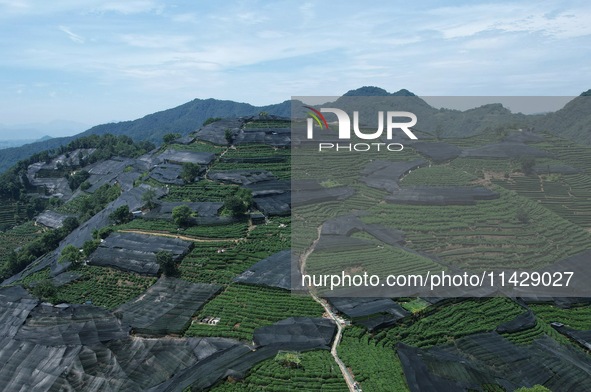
(391, 118)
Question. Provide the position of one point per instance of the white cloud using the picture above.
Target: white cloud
(467, 21)
(131, 7)
(74, 37)
(153, 53)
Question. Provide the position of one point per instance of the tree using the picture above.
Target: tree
(121, 215)
(211, 120)
(263, 114)
(76, 179)
(69, 224)
(190, 171)
(167, 263)
(229, 137)
(239, 203)
(90, 246)
(527, 165)
(102, 233)
(44, 290)
(148, 197)
(439, 133)
(289, 359)
(72, 254)
(170, 137)
(181, 215)
(522, 216)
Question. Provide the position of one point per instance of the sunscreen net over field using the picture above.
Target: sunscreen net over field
(397, 196)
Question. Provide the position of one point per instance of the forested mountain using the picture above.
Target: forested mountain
(190, 116)
(182, 119)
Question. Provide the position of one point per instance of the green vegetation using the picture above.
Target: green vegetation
(375, 367)
(316, 371)
(12, 213)
(243, 308)
(86, 206)
(14, 184)
(538, 219)
(535, 388)
(477, 236)
(229, 137)
(16, 261)
(17, 237)
(44, 290)
(211, 120)
(106, 287)
(289, 359)
(529, 335)
(221, 261)
(72, 254)
(181, 215)
(149, 197)
(578, 317)
(190, 172)
(170, 137)
(438, 175)
(239, 203)
(416, 305)
(452, 322)
(263, 157)
(77, 178)
(527, 165)
(167, 263)
(200, 191)
(232, 230)
(569, 196)
(121, 215)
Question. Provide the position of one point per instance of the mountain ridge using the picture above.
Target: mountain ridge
(189, 117)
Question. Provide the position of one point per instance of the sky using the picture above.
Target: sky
(93, 62)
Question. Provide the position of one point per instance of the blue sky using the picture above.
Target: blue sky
(99, 61)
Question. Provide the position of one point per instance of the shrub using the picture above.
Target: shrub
(181, 215)
(167, 263)
(121, 215)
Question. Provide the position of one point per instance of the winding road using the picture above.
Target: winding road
(339, 322)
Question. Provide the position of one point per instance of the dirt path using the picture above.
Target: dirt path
(182, 237)
(349, 379)
(337, 340)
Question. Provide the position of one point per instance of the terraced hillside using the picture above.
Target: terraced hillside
(535, 218)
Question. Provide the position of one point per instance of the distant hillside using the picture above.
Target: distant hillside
(372, 91)
(183, 119)
(573, 121)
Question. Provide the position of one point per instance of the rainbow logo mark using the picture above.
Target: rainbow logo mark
(318, 117)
